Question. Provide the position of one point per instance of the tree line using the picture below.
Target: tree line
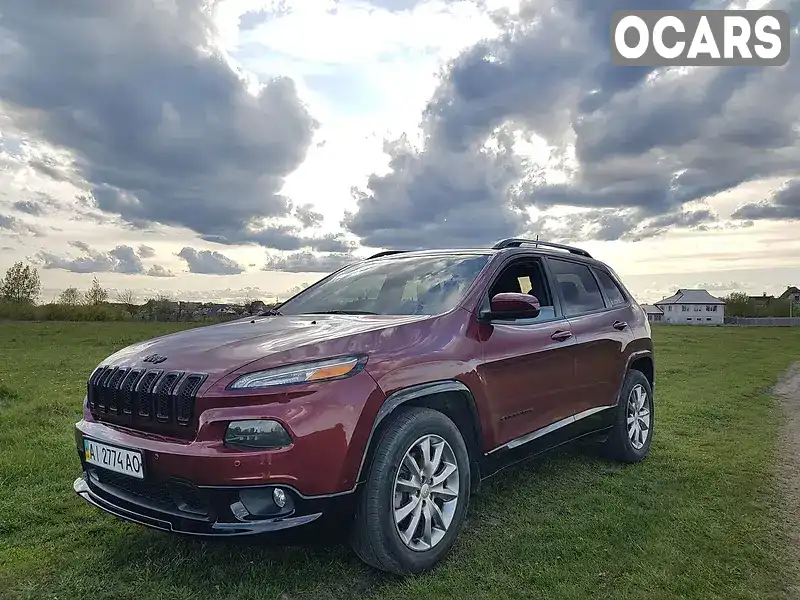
(739, 304)
(20, 289)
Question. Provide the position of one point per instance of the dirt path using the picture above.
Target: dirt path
(788, 390)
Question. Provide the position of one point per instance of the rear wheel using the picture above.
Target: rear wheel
(415, 499)
(632, 434)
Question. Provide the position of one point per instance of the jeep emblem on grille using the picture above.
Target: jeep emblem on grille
(154, 358)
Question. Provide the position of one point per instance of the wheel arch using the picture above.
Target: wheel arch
(643, 362)
(450, 397)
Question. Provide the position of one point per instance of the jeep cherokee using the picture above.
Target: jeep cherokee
(378, 397)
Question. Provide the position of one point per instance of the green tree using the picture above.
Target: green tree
(128, 298)
(70, 297)
(96, 294)
(21, 284)
(737, 304)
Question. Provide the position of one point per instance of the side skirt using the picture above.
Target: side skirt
(596, 421)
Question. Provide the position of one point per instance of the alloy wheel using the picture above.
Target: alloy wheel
(638, 417)
(426, 492)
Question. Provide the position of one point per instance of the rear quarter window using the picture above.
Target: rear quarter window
(610, 289)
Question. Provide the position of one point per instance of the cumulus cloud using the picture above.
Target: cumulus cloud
(29, 207)
(307, 216)
(18, 226)
(81, 246)
(122, 259)
(209, 262)
(331, 242)
(146, 251)
(159, 125)
(159, 271)
(720, 286)
(632, 146)
(308, 262)
(93, 261)
(784, 204)
(607, 224)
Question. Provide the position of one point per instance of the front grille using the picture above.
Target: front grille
(144, 399)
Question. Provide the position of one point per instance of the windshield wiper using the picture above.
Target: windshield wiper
(272, 312)
(343, 312)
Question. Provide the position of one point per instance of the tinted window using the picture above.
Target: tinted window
(526, 277)
(579, 290)
(610, 289)
(396, 286)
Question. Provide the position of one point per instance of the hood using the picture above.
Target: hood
(218, 349)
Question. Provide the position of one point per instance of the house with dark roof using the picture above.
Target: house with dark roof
(791, 294)
(692, 307)
(654, 313)
(761, 302)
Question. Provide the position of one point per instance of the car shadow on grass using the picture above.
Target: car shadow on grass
(325, 567)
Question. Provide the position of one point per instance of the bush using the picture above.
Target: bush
(61, 312)
(17, 311)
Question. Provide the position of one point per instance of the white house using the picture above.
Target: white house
(692, 307)
(654, 313)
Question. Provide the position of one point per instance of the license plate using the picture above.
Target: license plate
(120, 460)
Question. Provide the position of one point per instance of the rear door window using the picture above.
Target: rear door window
(580, 293)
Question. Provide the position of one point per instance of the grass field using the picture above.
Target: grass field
(697, 520)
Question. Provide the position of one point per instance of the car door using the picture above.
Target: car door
(598, 314)
(528, 365)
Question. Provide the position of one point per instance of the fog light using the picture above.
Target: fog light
(279, 496)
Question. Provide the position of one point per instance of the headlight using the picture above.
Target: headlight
(319, 370)
(256, 434)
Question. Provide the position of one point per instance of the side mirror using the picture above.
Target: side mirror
(511, 305)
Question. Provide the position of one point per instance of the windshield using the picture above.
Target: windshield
(399, 286)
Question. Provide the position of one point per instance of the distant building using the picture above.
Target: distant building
(692, 307)
(761, 302)
(654, 313)
(792, 294)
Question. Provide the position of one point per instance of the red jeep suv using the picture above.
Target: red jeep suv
(377, 398)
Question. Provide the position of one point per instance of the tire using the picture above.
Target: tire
(376, 537)
(623, 444)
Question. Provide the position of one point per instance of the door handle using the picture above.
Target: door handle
(561, 336)
(620, 325)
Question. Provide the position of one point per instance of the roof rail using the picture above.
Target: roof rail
(386, 253)
(517, 242)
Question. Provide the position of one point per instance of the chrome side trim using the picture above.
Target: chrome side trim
(529, 437)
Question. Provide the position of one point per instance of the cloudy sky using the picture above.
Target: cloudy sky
(244, 147)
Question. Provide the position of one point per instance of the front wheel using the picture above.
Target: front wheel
(415, 499)
(632, 434)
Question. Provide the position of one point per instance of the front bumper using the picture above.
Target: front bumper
(206, 512)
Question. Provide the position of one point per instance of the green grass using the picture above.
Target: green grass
(697, 519)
